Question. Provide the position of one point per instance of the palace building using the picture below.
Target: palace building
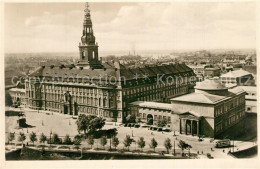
(102, 88)
(209, 111)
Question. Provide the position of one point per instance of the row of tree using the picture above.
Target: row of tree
(140, 142)
(55, 139)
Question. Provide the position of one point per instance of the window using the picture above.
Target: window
(248, 108)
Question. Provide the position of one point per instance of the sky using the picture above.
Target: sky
(57, 27)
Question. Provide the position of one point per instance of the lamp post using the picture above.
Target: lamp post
(50, 137)
(132, 133)
(174, 147)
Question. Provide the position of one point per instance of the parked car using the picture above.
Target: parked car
(145, 126)
(154, 128)
(137, 125)
(159, 129)
(166, 130)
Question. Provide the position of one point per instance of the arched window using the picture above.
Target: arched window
(93, 55)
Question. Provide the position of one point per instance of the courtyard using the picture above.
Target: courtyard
(50, 122)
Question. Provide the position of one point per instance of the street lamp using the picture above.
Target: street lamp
(132, 133)
(50, 137)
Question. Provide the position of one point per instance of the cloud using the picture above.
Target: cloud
(148, 26)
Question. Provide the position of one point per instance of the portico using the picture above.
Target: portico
(190, 123)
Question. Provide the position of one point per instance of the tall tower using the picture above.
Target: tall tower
(88, 47)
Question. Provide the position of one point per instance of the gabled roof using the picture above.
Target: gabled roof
(190, 112)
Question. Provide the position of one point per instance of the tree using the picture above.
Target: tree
(56, 139)
(77, 140)
(11, 137)
(111, 133)
(127, 141)
(130, 118)
(141, 143)
(96, 123)
(183, 145)
(153, 144)
(115, 142)
(162, 123)
(90, 140)
(67, 139)
(103, 141)
(43, 138)
(167, 144)
(8, 99)
(21, 137)
(83, 122)
(33, 137)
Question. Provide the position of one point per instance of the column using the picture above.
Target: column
(185, 121)
(180, 126)
(198, 126)
(191, 128)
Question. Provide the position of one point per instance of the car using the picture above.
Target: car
(159, 129)
(137, 125)
(209, 156)
(154, 128)
(166, 130)
(145, 126)
(129, 125)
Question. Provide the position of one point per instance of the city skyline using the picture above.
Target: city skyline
(163, 26)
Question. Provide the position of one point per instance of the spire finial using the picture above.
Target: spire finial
(86, 9)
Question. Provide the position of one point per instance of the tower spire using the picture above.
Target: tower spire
(88, 47)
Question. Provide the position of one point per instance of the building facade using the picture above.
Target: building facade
(209, 111)
(103, 89)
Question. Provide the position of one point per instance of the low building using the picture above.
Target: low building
(210, 111)
(251, 98)
(239, 77)
(18, 96)
(212, 72)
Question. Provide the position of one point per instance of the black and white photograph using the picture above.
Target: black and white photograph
(147, 81)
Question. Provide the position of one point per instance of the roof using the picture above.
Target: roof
(236, 90)
(236, 74)
(114, 70)
(208, 98)
(17, 90)
(212, 68)
(200, 98)
(210, 84)
(156, 105)
(249, 88)
(191, 112)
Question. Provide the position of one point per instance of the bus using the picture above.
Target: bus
(223, 143)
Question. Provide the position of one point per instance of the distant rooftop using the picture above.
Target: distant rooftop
(236, 73)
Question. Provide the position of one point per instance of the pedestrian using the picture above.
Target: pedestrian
(198, 152)
(223, 151)
(201, 152)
